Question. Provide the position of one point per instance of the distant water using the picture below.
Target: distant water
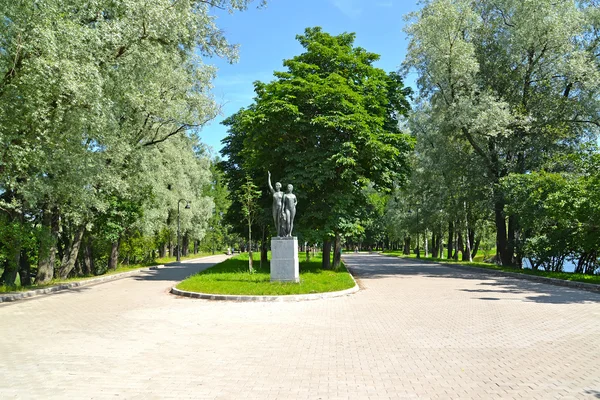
(568, 266)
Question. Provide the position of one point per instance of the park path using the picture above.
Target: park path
(415, 330)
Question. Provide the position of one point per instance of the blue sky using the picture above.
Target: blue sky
(266, 37)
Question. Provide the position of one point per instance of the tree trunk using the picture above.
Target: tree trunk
(263, 247)
(162, 250)
(512, 226)
(47, 247)
(114, 255)
(264, 252)
(24, 269)
(450, 239)
(326, 263)
(88, 258)
(71, 254)
(78, 268)
(591, 263)
(406, 250)
(471, 233)
(503, 253)
(434, 245)
(466, 254)
(426, 245)
(9, 275)
(13, 260)
(458, 245)
(185, 245)
(337, 251)
(250, 260)
(475, 248)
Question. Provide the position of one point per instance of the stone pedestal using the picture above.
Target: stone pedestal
(284, 259)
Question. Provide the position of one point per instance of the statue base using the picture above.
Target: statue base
(284, 259)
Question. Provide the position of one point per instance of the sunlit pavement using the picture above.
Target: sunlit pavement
(416, 330)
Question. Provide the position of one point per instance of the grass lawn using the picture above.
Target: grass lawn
(567, 276)
(121, 268)
(232, 277)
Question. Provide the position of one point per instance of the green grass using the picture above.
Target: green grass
(232, 277)
(121, 268)
(567, 276)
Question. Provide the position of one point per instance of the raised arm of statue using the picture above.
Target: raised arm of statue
(270, 186)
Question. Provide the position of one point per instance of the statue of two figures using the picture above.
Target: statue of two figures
(284, 208)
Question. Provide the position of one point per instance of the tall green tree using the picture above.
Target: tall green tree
(87, 90)
(329, 125)
(517, 81)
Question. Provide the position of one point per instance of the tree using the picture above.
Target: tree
(88, 91)
(558, 213)
(329, 125)
(248, 197)
(517, 82)
(216, 236)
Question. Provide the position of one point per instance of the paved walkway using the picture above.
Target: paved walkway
(415, 331)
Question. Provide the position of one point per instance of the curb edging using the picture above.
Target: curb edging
(280, 298)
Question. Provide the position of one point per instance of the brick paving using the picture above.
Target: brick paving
(415, 331)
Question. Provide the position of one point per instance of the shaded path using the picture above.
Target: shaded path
(417, 330)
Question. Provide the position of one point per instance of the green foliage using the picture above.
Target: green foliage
(101, 104)
(248, 196)
(559, 214)
(217, 234)
(329, 125)
(507, 87)
(232, 277)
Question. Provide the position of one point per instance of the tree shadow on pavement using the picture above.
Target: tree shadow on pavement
(545, 293)
(594, 393)
(365, 267)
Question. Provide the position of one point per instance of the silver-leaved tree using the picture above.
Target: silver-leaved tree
(101, 103)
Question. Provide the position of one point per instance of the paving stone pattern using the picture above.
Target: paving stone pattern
(420, 331)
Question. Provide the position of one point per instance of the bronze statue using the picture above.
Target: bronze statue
(289, 209)
(277, 206)
(284, 208)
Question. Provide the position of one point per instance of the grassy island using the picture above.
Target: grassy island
(232, 277)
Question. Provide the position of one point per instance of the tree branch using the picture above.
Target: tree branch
(477, 148)
(175, 132)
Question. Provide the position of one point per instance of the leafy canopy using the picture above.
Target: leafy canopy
(328, 124)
